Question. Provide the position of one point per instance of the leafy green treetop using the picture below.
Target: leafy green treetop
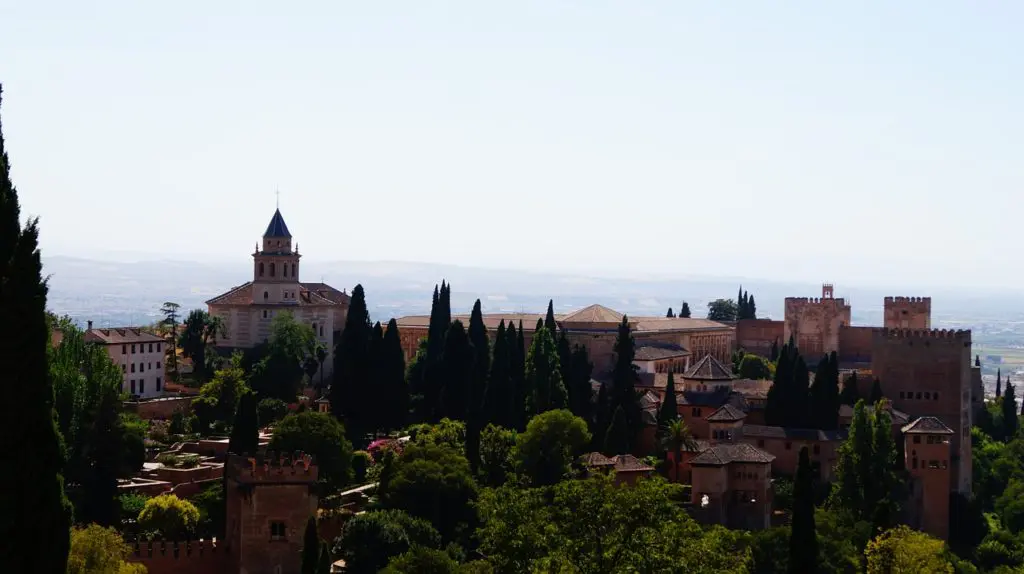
(552, 441)
(684, 311)
(722, 310)
(543, 375)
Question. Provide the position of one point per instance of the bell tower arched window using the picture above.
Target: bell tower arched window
(293, 271)
(284, 270)
(261, 269)
(272, 269)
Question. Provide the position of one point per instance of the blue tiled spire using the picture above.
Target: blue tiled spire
(277, 227)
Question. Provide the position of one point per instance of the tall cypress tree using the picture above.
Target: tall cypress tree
(774, 352)
(780, 392)
(352, 368)
(35, 516)
(602, 417)
(549, 318)
(540, 325)
(375, 412)
(800, 411)
(478, 383)
(999, 383)
(310, 548)
(669, 410)
(824, 394)
(519, 376)
(457, 369)
(670, 314)
(499, 401)
(545, 388)
(850, 395)
(396, 391)
(618, 439)
(751, 308)
(245, 431)
(977, 360)
(879, 488)
(624, 379)
(684, 311)
(741, 303)
(803, 537)
(325, 559)
(1010, 423)
(876, 391)
(581, 393)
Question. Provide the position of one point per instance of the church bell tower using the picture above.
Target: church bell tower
(276, 265)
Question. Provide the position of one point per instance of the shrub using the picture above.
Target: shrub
(361, 461)
(169, 516)
(98, 550)
(270, 411)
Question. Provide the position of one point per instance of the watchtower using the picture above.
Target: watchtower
(926, 451)
(908, 312)
(927, 373)
(269, 500)
(814, 323)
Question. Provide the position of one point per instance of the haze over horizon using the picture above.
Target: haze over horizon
(869, 144)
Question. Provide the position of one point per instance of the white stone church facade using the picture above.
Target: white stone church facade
(248, 309)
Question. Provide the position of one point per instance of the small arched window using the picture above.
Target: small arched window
(293, 270)
(261, 269)
(266, 295)
(284, 270)
(272, 269)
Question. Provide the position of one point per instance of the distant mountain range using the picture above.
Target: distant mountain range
(131, 293)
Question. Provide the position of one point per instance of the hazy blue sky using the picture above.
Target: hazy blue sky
(858, 142)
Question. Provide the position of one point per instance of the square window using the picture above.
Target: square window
(918, 395)
(133, 349)
(935, 396)
(927, 395)
(158, 347)
(151, 347)
(901, 394)
(133, 367)
(158, 364)
(277, 531)
(124, 349)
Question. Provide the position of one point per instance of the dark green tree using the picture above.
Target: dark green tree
(788, 400)
(824, 394)
(324, 565)
(999, 383)
(321, 436)
(669, 410)
(549, 318)
(499, 402)
(199, 329)
(35, 516)
(245, 432)
(624, 379)
(477, 384)
(544, 452)
(773, 355)
(751, 308)
(581, 392)
(618, 438)
(375, 413)
(881, 485)
(684, 311)
(434, 483)
(977, 360)
(876, 391)
(722, 310)
(803, 538)
(310, 548)
(392, 381)
(544, 384)
(457, 366)
(1009, 409)
(352, 388)
(370, 539)
(539, 326)
(518, 363)
(850, 395)
(670, 314)
(170, 311)
(280, 373)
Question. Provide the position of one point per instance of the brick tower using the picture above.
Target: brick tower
(814, 323)
(908, 312)
(269, 500)
(927, 457)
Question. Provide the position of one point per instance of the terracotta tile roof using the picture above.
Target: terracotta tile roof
(277, 227)
(725, 453)
(715, 398)
(726, 413)
(593, 314)
(898, 417)
(651, 352)
(762, 431)
(592, 459)
(120, 336)
(309, 294)
(927, 425)
(752, 388)
(676, 324)
(630, 463)
(708, 369)
(491, 320)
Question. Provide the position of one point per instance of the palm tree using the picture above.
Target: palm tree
(677, 439)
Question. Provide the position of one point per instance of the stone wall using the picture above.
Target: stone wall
(908, 312)
(855, 344)
(815, 323)
(162, 408)
(162, 557)
(757, 335)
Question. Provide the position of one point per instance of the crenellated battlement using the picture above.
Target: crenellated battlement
(176, 549)
(273, 467)
(815, 301)
(951, 335)
(891, 300)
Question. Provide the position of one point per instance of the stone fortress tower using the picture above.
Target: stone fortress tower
(814, 323)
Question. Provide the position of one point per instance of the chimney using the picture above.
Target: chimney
(89, 326)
